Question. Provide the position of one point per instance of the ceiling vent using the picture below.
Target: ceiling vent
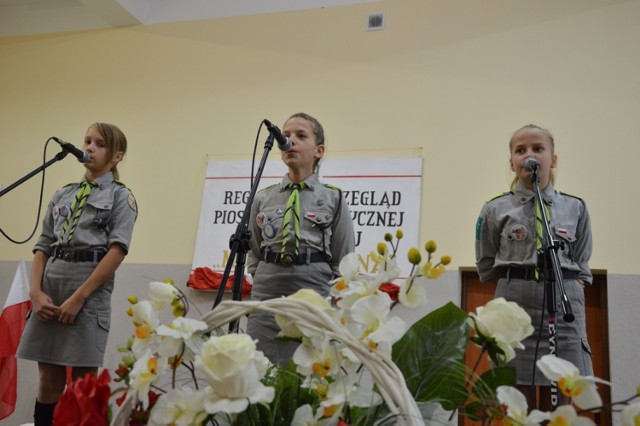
(375, 22)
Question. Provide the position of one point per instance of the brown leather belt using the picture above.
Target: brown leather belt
(288, 259)
(78, 255)
(529, 273)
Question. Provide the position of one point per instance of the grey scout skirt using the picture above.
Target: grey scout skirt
(81, 344)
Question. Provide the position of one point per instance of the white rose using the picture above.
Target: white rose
(233, 369)
(504, 321)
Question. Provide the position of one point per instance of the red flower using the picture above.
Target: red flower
(391, 289)
(140, 416)
(85, 402)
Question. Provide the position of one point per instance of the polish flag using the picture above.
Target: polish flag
(12, 322)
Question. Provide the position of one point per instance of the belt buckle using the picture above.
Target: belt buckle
(286, 259)
(67, 255)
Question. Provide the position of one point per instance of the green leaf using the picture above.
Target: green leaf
(489, 381)
(431, 357)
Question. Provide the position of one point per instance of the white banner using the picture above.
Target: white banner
(384, 194)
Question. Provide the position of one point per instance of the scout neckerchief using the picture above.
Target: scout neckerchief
(292, 214)
(71, 221)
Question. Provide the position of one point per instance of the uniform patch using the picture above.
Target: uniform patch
(517, 233)
(61, 210)
(260, 219)
(479, 223)
(269, 230)
(562, 231)
(132, 202)
(310, 215)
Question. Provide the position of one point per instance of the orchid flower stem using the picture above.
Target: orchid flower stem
(473, 372)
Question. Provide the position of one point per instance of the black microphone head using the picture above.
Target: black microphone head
(85, 157)
(284, 145)
(531, 164)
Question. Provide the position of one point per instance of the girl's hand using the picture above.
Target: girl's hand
(43, 306)
(69, 309)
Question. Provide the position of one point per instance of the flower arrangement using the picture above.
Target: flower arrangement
(357, 364)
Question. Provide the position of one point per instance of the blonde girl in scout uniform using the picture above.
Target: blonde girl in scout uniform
(85, 236)
(300, 230)
(506, 249)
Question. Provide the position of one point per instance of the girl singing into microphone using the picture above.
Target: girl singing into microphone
(507, 249)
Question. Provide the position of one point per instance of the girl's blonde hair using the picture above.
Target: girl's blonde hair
(115, 142)
(552, 176)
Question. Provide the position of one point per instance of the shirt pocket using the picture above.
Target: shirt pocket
(566, 236)
(315, 224)
(100, 215)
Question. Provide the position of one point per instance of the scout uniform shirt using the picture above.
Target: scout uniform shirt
(107, 218)
(325, 222)
(506, 232)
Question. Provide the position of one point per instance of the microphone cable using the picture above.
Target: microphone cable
(35, 228)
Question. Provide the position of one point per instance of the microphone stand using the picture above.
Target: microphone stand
(549, 254)
(59, 156)
(239, 242)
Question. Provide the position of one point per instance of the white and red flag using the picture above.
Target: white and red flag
(12, 322)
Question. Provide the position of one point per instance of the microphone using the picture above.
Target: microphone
(82, 156)
(284, 143)
(531, 164)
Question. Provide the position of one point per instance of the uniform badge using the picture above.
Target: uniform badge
(260, 220)
(517, 233)
(61, 210)
(310, 215)
(132, 202)
(269, 230)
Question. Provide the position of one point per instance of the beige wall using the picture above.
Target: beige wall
(452, 78)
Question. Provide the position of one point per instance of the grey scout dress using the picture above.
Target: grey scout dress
(506, 237)
(326, 228)
(107, 218)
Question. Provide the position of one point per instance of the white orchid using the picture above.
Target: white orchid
(353, 286)
(318, 357)
(162, 294)
(181, 331)
(581, 389)
(179, 407)
(345, 389)
(517, 408)
(146, 322)
(144, 373)
(413, 292)
(377, 330)
(566, 415)
(631, 415)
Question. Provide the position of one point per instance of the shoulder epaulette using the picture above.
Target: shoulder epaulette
(269, 186)
(328, 185)
(572, 196)
(502, 194)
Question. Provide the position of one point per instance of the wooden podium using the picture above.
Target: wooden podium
(475, 293)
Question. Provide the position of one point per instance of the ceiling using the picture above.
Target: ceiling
(31, 17)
